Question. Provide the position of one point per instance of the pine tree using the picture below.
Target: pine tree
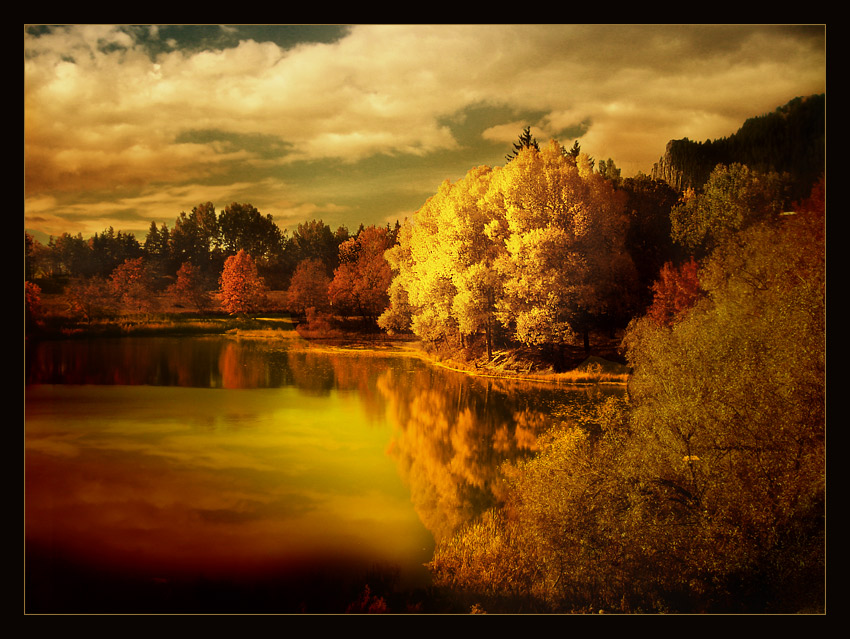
(526, 141)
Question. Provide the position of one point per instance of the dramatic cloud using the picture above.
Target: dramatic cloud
(119, 114)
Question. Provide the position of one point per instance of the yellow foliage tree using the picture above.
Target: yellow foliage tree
(564, 261)
(538, 245)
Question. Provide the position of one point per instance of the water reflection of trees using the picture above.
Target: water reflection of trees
(452, 433)
(195, 362)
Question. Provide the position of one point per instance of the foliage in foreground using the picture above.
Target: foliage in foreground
(706, 492)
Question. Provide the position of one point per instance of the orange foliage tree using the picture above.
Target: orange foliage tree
(675, 291)
(308, 288)
(361, 281)
(132, 285)
(32, 304)
(190, 286)
(242, 290)
(89, 298)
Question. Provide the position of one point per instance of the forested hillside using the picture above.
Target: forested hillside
(791, 139)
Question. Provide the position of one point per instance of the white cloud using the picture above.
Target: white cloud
(99, 111)
(384, 87)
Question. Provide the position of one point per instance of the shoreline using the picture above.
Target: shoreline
(507, 364)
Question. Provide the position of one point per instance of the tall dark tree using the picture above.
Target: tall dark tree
(648, 239)
(525, 141)
(316, 240)
(243, 228)
(157, 250)
(573, 152)
(609, 171)
(69, 255)
(195, 238)
(111, 248)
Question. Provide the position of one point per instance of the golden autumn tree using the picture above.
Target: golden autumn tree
(472, 249)
(565, 264)
(397, 317)
(705, 490)
(242, 290)
(445, 286)
(537, 245)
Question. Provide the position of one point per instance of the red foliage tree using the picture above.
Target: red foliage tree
(675, 291)
(132, 285)
(32, 304)
(242, 290)
(89, 298)
(816, 202)
(308, 287)
(361, 281)
(191, 286)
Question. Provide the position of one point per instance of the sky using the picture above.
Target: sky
(360, 124)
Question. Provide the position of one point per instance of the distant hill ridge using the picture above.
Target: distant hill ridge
(791, 139)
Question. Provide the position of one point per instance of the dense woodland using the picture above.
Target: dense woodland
(702, 491)
(790, 140)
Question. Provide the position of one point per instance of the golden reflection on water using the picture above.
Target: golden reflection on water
(193, 479)
(218, 458)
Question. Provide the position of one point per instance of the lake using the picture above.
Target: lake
(233, 475)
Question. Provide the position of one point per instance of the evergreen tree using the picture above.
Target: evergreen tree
(526, 141)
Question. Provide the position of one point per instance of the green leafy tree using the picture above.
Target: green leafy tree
(242, 290)
(733, 199)
(609, 171)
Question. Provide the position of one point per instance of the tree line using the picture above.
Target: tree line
(207, 255)
(202, 237)
(541, 252)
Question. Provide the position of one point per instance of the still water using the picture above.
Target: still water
(237, 475)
